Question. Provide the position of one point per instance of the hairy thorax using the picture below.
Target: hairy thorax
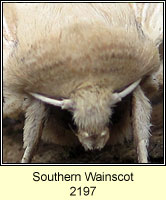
(58, 65)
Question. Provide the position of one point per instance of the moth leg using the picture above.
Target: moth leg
(154, 83)
(141, 112)
(36, 115)
(11, 107)
(14, 104)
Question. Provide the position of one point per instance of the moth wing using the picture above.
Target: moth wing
(150, 17)
(9, 29)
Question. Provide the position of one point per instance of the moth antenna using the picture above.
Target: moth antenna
(64, 104)
(128, 90)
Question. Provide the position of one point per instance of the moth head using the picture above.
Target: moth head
(91, 113)
(93, 141)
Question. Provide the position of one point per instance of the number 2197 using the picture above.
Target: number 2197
(82, 191)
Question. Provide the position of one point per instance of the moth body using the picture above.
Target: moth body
(82, 61)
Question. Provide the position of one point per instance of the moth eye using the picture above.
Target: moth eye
(86, 134)
(103, 133)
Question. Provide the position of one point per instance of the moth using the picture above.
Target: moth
(84, 58)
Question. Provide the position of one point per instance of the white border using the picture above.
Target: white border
(2, 164)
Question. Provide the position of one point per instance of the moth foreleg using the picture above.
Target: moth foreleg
(11, 107)
(36, 114)
(141, 112)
